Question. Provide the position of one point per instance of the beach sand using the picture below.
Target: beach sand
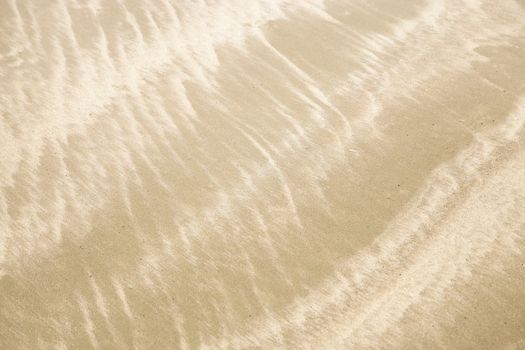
(262, 174)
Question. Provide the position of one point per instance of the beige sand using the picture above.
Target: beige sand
(262, 174)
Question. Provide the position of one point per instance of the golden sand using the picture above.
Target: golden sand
(262, 174)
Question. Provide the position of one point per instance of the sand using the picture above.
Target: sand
(262, 174)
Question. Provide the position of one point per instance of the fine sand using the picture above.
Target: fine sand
(262, 174)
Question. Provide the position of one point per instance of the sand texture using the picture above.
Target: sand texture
(262, 174)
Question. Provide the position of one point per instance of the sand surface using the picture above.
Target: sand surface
(262, 174)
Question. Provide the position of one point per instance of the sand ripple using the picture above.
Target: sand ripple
(262, 174)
